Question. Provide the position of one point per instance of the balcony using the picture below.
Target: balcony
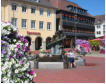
(79, 34)
(81, 25)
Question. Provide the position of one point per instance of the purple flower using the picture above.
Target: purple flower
(24, 48)
(3, 52)
(26, 41)
(84, 44)
(21, 38)
(18, 46)
(103, 42)
(20, 55)
(5, 37)
(16, 32)
(10, 57)
(28, 49)
(3, 42)
(32, 72)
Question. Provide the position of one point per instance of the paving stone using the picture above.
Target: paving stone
(80, 74)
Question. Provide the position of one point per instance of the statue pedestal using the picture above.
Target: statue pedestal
(51, 65)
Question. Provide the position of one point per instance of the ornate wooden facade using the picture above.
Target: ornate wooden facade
(74, 22)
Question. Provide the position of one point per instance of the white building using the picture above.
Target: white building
(99, 26)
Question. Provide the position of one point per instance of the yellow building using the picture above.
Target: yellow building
(34, 19)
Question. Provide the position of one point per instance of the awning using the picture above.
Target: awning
(97, 39)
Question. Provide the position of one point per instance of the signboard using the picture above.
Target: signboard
(33, 33)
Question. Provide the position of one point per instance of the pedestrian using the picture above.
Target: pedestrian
(70, 56)
(83, 53)
(94, 47)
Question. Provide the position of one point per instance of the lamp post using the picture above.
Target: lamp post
(75, 22)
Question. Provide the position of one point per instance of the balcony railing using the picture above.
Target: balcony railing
(81, 25)
(78, 31)
(79, 34)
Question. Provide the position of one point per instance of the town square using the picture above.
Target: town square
(52, 41)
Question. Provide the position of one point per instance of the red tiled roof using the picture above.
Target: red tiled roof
(61, 4)
(99, 19)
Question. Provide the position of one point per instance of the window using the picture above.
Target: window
(24, 9)
(83, 12)
(41, 24)
(14, 6)
(48, 25)
(98, 26)
(14, 21)
(104, 29)
(33, 10)
(41, 11)
(71, 8)
(103, 26)
(103, 32)
(98, 32)
(78, 10)
(48, 13)
(33, 24)
(24, 23)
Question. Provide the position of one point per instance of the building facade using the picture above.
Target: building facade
(34, 19)
(73, 21)
(99, 26)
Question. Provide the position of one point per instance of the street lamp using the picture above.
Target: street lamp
(75, 22)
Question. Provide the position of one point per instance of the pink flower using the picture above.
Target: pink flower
(32, 72)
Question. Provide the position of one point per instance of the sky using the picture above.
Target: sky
(94, 7)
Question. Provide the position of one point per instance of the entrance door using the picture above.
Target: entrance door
(38, 43)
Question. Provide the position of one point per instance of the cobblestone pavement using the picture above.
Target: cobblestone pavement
(93, 72)
(94, 54)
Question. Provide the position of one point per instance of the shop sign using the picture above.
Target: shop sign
(33, 33)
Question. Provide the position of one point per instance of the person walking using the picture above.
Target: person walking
(83, 53)
(70, 56)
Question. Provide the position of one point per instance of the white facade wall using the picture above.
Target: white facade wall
(99, 30)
